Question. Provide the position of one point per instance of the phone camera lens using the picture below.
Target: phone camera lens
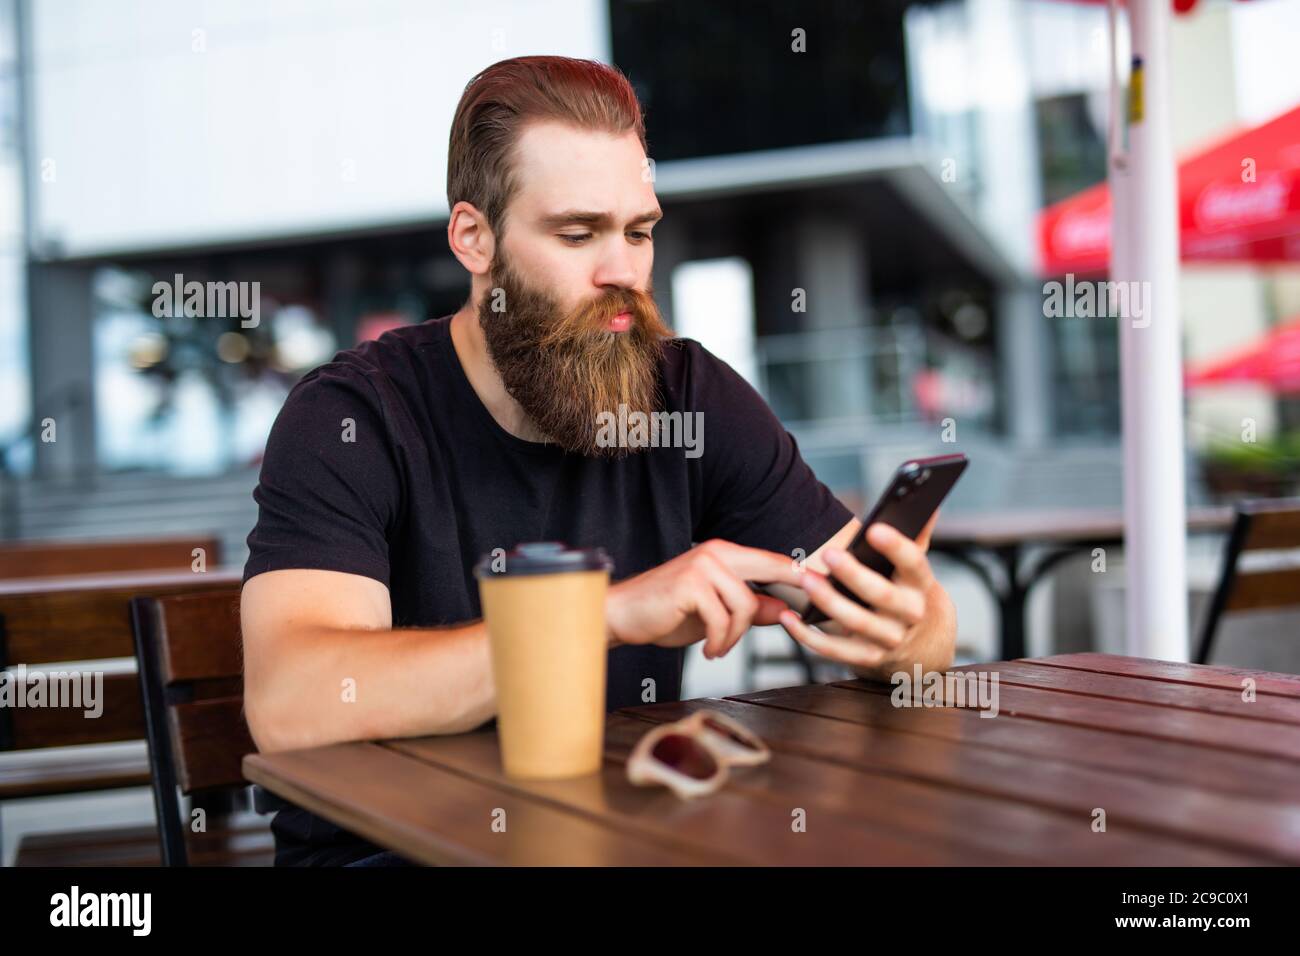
(924, 476)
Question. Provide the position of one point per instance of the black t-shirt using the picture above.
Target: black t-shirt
(384, 462)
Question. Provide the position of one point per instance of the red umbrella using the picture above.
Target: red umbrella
(1180, 6)
(1239, 200)
(1273, 361)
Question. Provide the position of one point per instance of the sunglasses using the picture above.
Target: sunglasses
(691, 756)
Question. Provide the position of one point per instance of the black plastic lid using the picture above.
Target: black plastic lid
(543, 557)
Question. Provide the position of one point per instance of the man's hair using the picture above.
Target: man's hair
(499, 101)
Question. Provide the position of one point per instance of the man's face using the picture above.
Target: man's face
(569, 318)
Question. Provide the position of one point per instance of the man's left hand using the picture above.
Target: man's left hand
(911, 619)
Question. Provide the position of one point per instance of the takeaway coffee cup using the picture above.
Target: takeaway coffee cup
(544, 605)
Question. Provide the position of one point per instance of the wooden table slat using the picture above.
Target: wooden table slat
(1210, 700)
(442, 818)
(1200, 675)
(1136, 719)
(733, 823)
(1178, 762)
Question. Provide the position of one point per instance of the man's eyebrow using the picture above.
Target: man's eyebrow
(582, 217)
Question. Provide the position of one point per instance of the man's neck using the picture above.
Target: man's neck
(471, 348)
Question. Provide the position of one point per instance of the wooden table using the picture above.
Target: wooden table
(1185, 770)
(1002, 542)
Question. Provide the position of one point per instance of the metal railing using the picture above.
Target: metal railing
(854, 375)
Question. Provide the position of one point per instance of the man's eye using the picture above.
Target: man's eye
(575, 238)
(638, 236)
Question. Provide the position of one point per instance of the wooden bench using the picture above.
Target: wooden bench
(44, 559)
(190, 666)
(49, 622)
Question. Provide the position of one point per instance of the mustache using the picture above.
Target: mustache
(594, 315)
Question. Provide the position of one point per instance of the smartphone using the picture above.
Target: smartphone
(917, 489)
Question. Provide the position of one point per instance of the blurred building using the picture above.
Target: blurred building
(851, 193)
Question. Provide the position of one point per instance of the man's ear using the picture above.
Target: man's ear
(470, 238)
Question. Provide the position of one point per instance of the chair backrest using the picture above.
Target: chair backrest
(1265, 525)
(42, 559)
(47, 623)
(191, 671)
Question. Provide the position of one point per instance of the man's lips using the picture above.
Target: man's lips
(620, 323)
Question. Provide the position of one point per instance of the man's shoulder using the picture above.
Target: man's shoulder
(694, 375)
(680, 349)
(396, 362)
(683, 357)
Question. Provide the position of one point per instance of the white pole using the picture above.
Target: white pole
(1144, 189)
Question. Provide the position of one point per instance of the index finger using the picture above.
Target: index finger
(755, 564)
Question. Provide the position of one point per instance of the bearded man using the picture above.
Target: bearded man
(392, 469)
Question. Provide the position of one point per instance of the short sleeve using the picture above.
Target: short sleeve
(756, 489)
(330, 490)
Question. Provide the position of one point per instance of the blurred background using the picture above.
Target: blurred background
(865, 228)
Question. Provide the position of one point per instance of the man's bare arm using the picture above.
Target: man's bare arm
(322, 664)
(312, 636)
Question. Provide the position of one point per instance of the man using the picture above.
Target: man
(393, 468)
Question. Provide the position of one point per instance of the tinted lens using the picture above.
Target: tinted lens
(685, 756)
(718, 727)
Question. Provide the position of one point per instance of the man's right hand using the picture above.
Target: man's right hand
(699, 595)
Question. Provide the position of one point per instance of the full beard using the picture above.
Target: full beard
(566, 369)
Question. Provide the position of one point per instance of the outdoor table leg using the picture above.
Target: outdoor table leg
(1011, 604)
(1011, 594)
(1008, 595)
(1015, 600)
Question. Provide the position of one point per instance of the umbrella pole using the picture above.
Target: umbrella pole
(1145, 258)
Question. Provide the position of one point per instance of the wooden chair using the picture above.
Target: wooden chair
(191, 673)
(43, 559)
(1265, 525)
(45, 622)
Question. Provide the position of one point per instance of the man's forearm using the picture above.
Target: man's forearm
(334, 684)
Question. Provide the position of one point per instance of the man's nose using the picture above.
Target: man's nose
(617, 268)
